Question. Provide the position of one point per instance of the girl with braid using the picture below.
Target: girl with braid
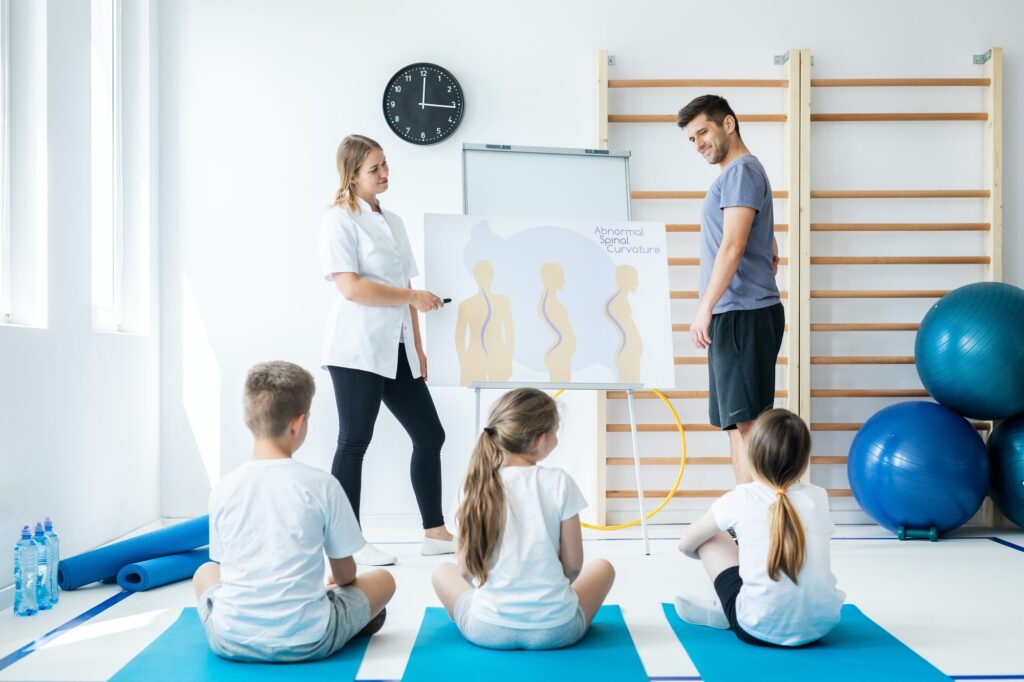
(774, 583)
(520, 582)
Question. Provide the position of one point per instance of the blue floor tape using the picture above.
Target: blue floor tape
(24, 651)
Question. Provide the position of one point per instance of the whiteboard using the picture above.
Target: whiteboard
(545, 182)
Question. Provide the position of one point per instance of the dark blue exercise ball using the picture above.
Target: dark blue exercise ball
(919, 465)
(1006, 460)
(970, 350)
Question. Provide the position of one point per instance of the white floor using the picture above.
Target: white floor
(959, 603)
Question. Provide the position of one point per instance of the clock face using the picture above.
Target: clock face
(423, 103)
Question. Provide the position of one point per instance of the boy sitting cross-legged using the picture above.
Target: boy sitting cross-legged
(271, 522)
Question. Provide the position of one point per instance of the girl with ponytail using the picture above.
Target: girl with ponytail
(774, 582)
(520, 582)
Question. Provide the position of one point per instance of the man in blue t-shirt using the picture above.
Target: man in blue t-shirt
(739, 305)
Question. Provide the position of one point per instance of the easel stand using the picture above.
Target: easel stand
(478, 386)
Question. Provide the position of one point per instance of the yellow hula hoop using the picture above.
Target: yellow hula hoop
(679, 478)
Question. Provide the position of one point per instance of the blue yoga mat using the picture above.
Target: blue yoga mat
(105, 562)
(857, 649)
(606, 652)
(145, 575)
(182, 653)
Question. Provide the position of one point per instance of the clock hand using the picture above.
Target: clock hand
(423, 97)
(442, 106)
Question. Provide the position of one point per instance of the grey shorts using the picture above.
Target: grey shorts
(350, 612)
(500, 637)
(744, 347)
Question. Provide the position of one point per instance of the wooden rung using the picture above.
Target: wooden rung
(882, 293)
(686, 327)
(703, 360)
(696, 261)
(673, 395)
(690, 227)
(852, 426)
(661, 494)
(865, 327)
(829, 459)
(672, 118)
(869, 393)
(900, 194)
(667, 461)
(660, 428)
(899, 82)
(682, 295)
(900, 227)
(665, 194)
(698, 83)
(922, 116)
(900, 260)
(862, 359)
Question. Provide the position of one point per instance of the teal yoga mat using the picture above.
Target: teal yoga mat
(606, 652)
(145, 575)
(181, 653)
(857, 649)
(105, 562)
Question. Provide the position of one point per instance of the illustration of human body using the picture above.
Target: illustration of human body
(558, 357)
(619, 313)
(484, 334)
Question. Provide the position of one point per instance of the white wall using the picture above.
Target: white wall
(256, 95)
(79, 422)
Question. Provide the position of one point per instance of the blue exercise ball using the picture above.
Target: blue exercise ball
(1006, 460)
(969, 350)
(918, 465)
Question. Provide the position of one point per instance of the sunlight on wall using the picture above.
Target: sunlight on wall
(200, 383)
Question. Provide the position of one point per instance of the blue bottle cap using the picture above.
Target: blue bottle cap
(25, 532)
(39, 528)
(48, 523)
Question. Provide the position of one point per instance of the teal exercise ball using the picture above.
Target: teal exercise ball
(1006, 463)
(969, 350)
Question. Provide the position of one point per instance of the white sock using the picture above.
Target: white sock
(702, 611)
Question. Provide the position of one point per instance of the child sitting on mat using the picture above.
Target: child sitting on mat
(272, 520)
(774, 583)
(520, 582)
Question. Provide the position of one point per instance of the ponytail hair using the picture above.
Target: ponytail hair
(779, 451)
(350, 156)
(515, 422)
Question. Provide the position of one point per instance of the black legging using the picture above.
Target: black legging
(358, 394)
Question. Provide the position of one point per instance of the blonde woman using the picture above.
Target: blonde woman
(372, 347)
(520, 582)
(774, 583)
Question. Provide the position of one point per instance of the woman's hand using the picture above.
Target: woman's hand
(424, 301)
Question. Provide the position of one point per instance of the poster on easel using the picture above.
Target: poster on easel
(537, 300)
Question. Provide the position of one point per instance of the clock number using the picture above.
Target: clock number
(392, 104)
(423, 73)
(453, 103)
(450, 120)
(438, 131)
(408, 77)
(407, 129)
(396, 119)
(423, 136)
(398, 88)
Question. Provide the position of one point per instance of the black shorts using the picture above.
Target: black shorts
(741, 363)
(727, 585)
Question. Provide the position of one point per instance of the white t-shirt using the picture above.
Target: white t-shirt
(526, 585)
(376, 247)
(271, 521)
(782, 612)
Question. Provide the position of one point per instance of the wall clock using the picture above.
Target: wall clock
(423, 103)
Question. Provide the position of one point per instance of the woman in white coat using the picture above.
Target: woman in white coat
(372, 346)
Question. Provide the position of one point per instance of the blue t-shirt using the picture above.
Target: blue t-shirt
(742, 183)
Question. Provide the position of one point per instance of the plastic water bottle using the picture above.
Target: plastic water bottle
(52, 558)
(43, 574)
(26, 574)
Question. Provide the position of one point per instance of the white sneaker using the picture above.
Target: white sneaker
(701, 611)
(371, 556)
(434, 547)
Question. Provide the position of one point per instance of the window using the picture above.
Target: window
(107, 234)
(5, 165)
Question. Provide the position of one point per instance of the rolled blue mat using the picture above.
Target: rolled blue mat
(105, 562)
(145, 575)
